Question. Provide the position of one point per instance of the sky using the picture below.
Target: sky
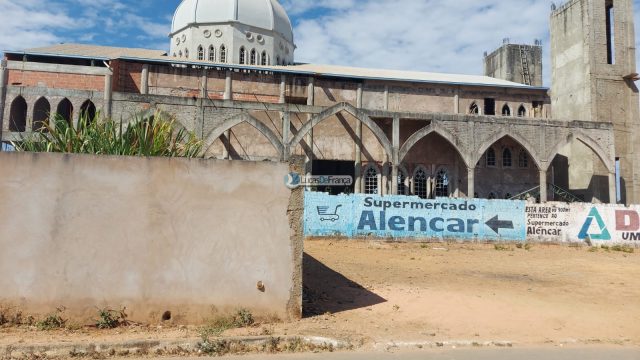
(419, 35)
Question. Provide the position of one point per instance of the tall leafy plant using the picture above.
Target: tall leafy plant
(144, 136)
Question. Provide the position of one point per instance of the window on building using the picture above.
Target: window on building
(253, 56)
(371, 181)
(278, 60)
(186, 53)
(243, 55)
(522, 111)
(442, 183)
(507, 160)
(492, 196)
(611, 34)
(264, 58)
(223, 54)
(180, 53)
(489, 106)
(506, 111)
(212, 53)
(523, 159)
(402, 178)
(474, 109)
(420, 184)
(18, 115)
(491, 157)
(508, 196)
(200, 53)
(41, 111)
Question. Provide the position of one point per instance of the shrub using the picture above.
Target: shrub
(52, 321)
(111, 319)
(145, 136)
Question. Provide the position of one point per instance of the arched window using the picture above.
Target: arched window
(243, 55)
(264, 58)
(278, 60)
(523, 159)
(492, 196)
(186, 53)
(200, 53)
(41, 111)
(402, 179)
(473, 109)
(174, 55)
(253, 56)
(371, 180)
(442, 183)
(18, 115)
(491, 157)
(87, 112)
(223, 54)
(180, 53)
(507, 160)
(506, 111)
(65, 110)
(212, 53)
(522, 111)
(420, 183)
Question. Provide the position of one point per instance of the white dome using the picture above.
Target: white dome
(263, 14)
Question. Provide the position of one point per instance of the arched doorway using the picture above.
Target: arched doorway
(18, 115)
(65, 110)
(87, 112)
(41, 113)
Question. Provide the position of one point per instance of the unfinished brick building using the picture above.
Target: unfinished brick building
(231, 79)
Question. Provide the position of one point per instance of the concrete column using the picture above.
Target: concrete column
(144, 87)
(283, 89)
(385, 179)
(286, 128)
(456, 102)
(108, 92)
(396, 154)
(543, 186)
(225, 151)
(3, 91)
(357, 148)
(311, 92)
(386, 98)
(309, 137)
(228, 86)
(204, 87)
(613, 194)
(471, 182)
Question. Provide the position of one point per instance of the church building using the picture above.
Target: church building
(231, 77)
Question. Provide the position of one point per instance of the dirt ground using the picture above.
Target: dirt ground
(373, 293)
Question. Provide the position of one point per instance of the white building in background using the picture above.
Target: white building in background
(248, 32)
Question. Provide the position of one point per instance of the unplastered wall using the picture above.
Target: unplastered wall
(192, 237)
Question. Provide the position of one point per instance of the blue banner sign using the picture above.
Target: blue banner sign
(404, 217)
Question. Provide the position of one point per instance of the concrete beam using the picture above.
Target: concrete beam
(57, 68)
(283, 89)
(204, 90)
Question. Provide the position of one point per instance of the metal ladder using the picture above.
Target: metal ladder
(559, 193)
(524, 60)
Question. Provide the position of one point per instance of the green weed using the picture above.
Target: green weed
(52, 321)
(111, 319)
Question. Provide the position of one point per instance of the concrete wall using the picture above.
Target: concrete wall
(505, 63)
(411, 218)
(152, 234)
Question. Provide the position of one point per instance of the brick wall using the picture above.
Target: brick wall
(56, 80)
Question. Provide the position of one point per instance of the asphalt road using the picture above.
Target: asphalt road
(589, 353)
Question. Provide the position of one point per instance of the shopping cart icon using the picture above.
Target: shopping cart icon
(326, 215)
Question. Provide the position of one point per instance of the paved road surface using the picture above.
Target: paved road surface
(589, 353)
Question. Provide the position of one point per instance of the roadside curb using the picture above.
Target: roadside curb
(440, 344)
(142, 347)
